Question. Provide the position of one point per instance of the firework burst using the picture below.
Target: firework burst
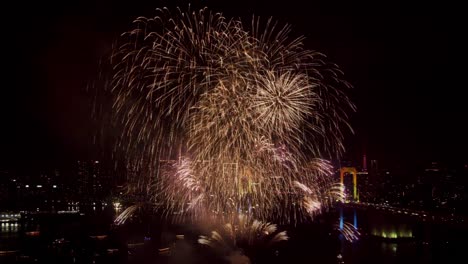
(244, 234)
(216, 118)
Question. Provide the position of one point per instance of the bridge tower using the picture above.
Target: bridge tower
(350, 170)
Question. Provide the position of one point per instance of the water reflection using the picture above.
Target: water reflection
(87, 237)
(9, 227)
(389, 248)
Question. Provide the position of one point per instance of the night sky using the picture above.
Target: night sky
(404, 62)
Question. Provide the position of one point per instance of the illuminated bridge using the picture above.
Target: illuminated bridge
(389, 222)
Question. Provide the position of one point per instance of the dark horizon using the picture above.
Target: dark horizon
(401, 59)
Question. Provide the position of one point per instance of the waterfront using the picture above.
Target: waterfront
(88, 237)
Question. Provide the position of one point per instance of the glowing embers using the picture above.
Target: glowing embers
(243, 236)
(246, 114)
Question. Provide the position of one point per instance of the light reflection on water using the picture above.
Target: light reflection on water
(380, 243)
(9, 228)
(389, 248)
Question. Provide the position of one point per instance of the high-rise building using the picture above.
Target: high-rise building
(374, 167)
(82, 177)
(92, 183)
(364, 162)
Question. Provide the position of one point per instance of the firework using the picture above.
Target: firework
(126, 214)
(349, 232)
(244, 234)
(215, 118)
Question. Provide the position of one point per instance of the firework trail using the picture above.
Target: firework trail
(349, 232)
(126, 214)
(214, 118)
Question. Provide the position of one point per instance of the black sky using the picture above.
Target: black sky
(404, 61)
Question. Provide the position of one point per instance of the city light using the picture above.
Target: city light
(117, 206)
(218, 133)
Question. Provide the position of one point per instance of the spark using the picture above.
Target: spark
(245, 235)
(126, 214)
(349, 232)
(214, 118)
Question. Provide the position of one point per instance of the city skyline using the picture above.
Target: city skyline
(201, 132)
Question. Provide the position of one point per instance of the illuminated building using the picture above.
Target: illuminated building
(91, 181)
(364, 162)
